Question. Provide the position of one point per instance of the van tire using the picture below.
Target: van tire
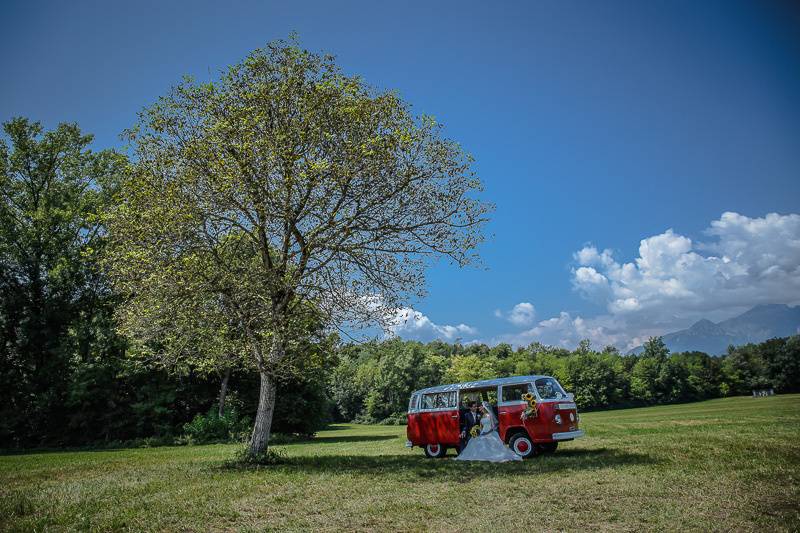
(436, 451)
(522, 445)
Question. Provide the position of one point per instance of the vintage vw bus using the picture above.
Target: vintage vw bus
(434, 414)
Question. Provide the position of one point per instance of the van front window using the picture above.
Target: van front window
(549, 389)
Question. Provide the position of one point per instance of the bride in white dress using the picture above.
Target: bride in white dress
(487, 446)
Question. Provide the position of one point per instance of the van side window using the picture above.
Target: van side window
(412, 404)
(451, 399)
(513, 393)
(428, 401)
(439, 400)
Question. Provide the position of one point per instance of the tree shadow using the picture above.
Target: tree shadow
(411, 467)
(350, 438)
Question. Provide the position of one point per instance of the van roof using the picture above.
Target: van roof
(479, 384)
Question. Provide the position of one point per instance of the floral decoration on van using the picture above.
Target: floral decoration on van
(530, 411)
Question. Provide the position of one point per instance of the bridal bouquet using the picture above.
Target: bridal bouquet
(530, 411)
(475, 431)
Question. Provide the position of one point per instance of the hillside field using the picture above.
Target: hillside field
(728, 464)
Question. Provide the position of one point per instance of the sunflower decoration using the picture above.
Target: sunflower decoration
(475, 431)
(530, 411)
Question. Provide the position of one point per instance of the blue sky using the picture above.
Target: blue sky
(593, 124)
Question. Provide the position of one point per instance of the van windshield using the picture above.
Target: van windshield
(549, 389)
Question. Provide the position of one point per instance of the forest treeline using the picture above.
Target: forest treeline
(372, 382)
(69, 377)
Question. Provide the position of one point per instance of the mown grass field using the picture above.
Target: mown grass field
(730, 464)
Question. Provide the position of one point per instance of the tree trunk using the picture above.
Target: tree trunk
(263, 424)
(223, 391)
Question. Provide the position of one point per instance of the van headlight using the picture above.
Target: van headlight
(557, 419)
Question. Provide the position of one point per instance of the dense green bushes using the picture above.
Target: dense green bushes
(213, 427)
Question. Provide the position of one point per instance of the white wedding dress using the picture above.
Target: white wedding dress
(487, 446)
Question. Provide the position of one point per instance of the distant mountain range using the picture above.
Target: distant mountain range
(760, 323)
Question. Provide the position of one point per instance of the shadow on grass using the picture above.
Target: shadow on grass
(414, 467)
(349, 438)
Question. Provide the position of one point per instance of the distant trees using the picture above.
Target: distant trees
(372, 383)
(470, 367)
(373, 380)
(54, 303)
(67, 375)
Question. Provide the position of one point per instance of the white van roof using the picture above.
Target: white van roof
(513, 380)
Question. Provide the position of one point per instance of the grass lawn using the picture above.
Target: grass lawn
(729, 464)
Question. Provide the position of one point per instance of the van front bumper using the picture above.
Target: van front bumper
(568, 435)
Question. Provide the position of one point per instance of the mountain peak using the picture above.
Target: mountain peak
(705, 326)
(757, 324)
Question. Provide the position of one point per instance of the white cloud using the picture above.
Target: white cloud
(522, 314)
(567, 331)
(409, 323)
(747, 262)
(673, 282)
(588, 255)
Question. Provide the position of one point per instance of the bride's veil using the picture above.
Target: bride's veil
(490, 412)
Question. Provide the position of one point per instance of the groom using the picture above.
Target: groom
(468, 420)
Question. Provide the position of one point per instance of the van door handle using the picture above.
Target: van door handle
(455, 416)
(503, 412)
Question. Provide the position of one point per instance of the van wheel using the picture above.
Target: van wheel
(522, 445)
(435, 450)
(548, 447)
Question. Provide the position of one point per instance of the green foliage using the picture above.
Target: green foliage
(211, 427)
(372, 382)
(470, 368)
(655, 348)
(245, 458)
(53, 298)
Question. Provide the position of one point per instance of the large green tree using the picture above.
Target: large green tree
(51, 190)
(286, 186)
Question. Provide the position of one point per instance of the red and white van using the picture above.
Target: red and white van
(434, 414)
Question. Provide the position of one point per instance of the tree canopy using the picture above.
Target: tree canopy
(286, 186)
(52, 190)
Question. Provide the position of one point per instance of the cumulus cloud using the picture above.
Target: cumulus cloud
(739, 262)
(747, 261)
(522, 314)
(409, 323)
(567, 331)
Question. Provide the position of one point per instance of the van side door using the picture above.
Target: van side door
(441, 418)
(510, 406)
